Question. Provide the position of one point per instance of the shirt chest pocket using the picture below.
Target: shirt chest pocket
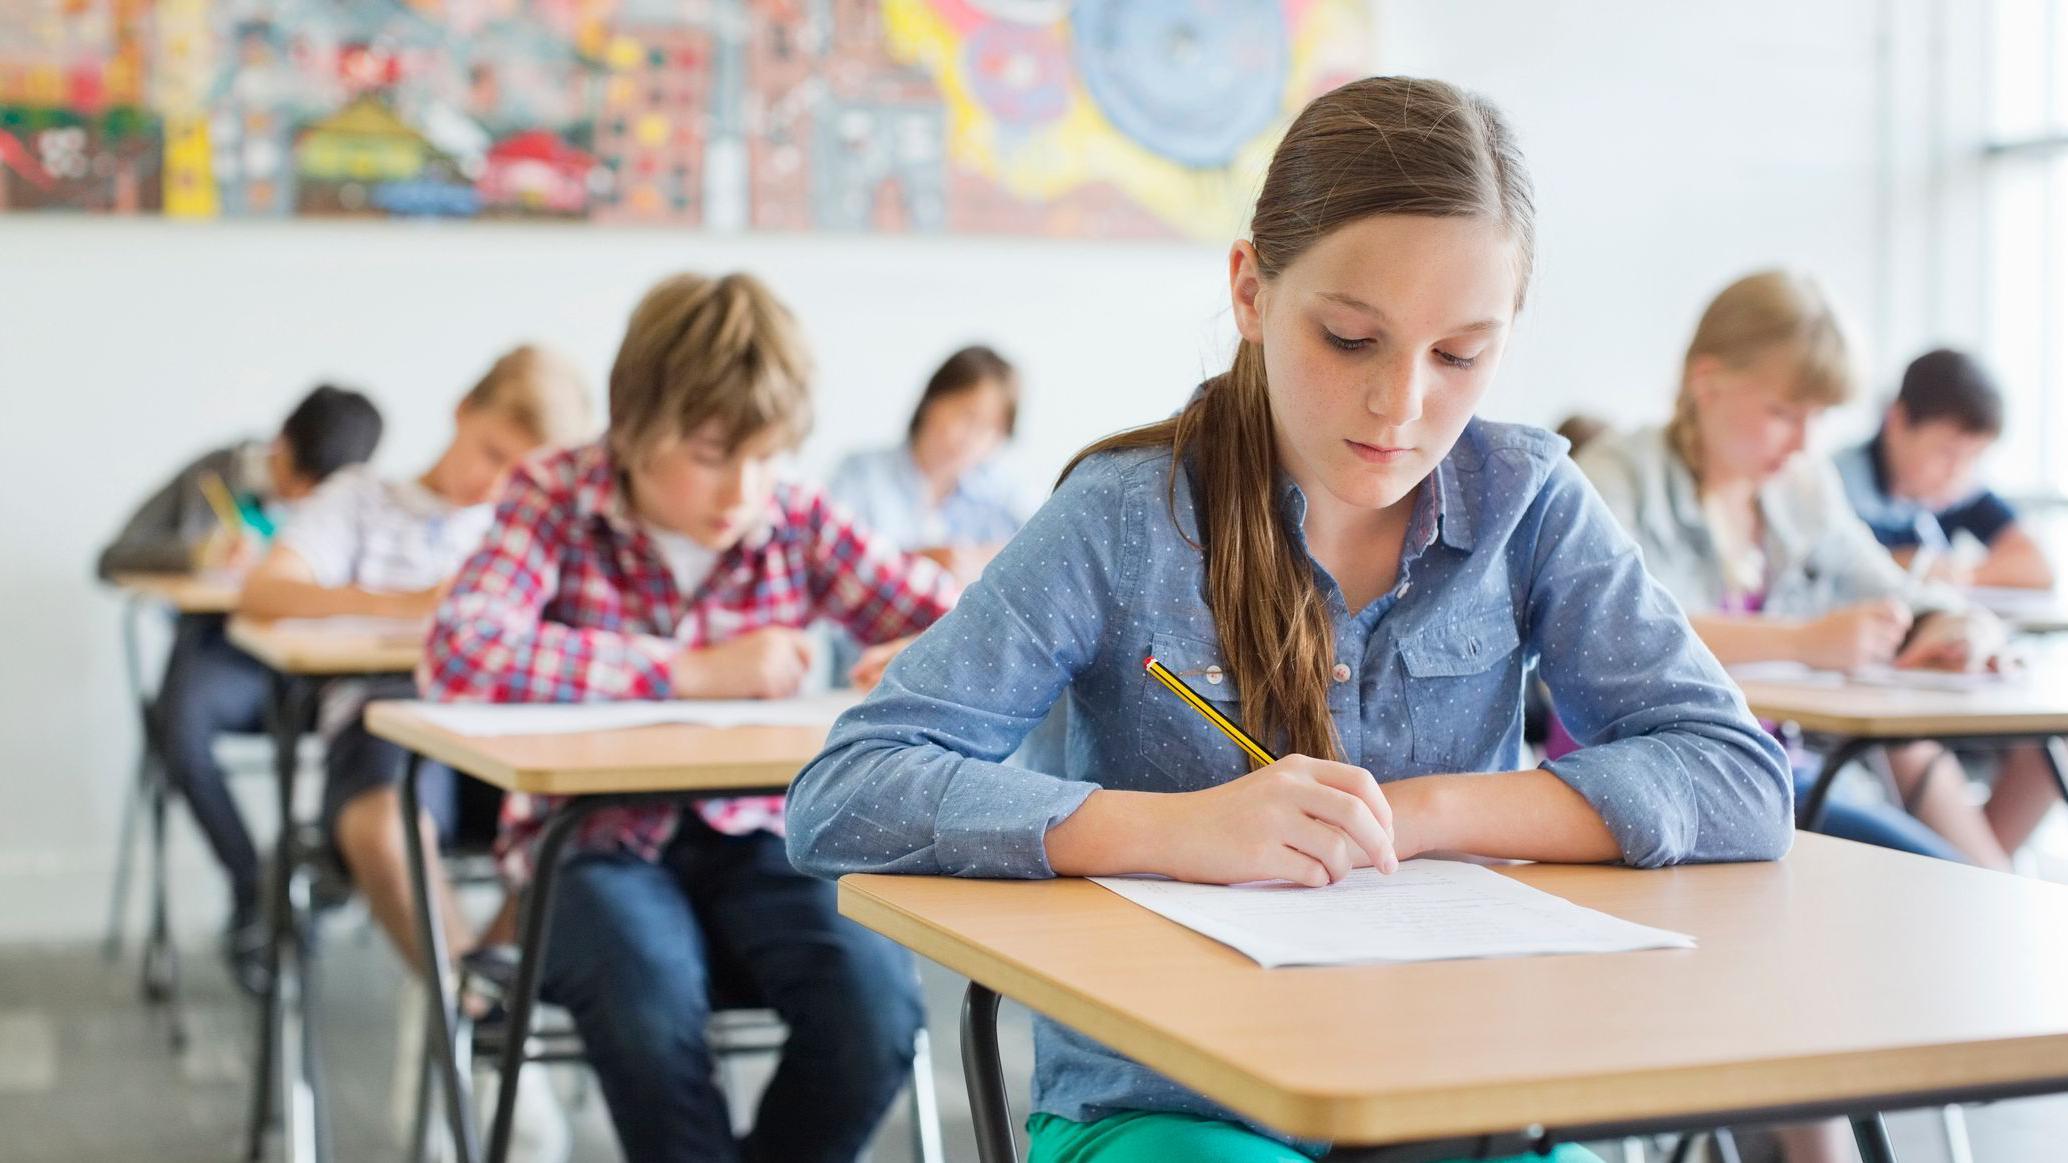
(1463, 682)
(1181, 749)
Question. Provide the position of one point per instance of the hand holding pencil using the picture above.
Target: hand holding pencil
(231, 547)
(1307, 820)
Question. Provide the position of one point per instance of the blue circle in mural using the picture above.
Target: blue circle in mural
(1191, 80)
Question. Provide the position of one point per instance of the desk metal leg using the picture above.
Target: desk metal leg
(299, 1074)
(125, 860)
(2055, 749)
(286, 713)
(524, 992)
(430, 932)
(1872, 1136)
(985, 1077)
(161, 968)
(139, 792)
(1810, 813)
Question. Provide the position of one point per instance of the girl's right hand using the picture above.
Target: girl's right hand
(1850, 637)
(1309, 821)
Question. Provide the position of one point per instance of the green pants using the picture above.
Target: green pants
(1151, 1137)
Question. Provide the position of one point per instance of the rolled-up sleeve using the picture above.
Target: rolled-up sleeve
(914, 778)
(1670, 756)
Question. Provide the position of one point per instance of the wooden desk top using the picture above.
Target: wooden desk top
(671, 757)
(189, 593)
(306, 646)
(2035, 703)
(1842, 972)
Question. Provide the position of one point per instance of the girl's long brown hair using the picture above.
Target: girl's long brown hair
(1383, 145)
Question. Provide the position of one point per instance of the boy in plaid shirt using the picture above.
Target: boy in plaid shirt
(669, 561)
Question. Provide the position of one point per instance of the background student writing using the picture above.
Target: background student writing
(211, 688)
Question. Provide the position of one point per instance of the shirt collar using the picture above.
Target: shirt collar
(1438, 514)
(600, 492)
(1877, 463)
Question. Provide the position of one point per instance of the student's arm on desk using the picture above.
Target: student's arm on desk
(2015, 561)
(1514, 815)
(490, 640)
(1670, 759)
(1741, 638)
(284, 586)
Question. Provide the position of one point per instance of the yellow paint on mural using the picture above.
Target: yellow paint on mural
(189, 169)
(626, 54)
(1081, 147)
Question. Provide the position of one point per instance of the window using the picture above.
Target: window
(2027, 177)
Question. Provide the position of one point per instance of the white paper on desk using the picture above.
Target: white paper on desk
(358, 626)
(1788, 672)
(1898, 678)
(1430, 910)
(484, 719)
(1930, 680)
(2012, 603)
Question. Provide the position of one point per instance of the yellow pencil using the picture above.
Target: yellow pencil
(1177, 687)
(219, 499)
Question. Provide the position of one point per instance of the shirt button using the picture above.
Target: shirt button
(1342, 672)
(1213, 675)
(1402, 591)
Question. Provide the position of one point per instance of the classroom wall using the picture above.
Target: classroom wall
(1674, 146)
(1677, 146)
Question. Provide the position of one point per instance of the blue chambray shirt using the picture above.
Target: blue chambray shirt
(1511, 561)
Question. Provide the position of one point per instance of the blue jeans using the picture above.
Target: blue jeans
(1882, 825)
(211, 688)
(638, 951)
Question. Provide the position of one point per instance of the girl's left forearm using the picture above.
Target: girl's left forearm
(1512, 815)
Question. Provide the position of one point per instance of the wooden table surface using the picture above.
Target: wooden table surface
(2034, 702)
(189, 593)
(347, 646)
(1842, 972)
(670, 757)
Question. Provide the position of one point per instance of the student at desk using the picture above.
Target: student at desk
(1915, 483)
(364, 545)
(1330, 548)
(941, 492)
(1757, 541)
(671, 560)
(210, 687)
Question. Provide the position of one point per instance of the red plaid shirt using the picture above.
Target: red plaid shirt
(568, 600)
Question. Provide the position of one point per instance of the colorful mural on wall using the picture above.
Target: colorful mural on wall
(1101, 118)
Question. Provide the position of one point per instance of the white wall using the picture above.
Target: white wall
(1674, 146)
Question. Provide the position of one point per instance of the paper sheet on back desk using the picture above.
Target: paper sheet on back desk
(487, 719)
(1429, 910)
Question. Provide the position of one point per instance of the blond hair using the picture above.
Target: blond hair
(699, 350)
(1382, 145)
(540, 391)
(1762, 312)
